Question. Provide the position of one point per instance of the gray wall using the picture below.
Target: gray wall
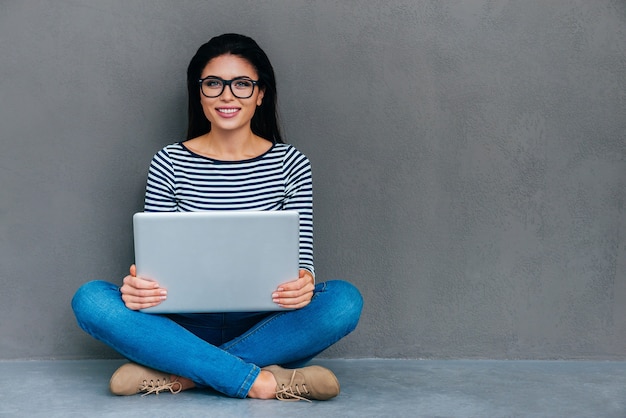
(469, 161)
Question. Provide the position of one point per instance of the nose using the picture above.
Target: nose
(227, 93)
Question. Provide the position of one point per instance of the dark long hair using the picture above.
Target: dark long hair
(265, 120)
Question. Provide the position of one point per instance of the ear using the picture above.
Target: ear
(259, 98)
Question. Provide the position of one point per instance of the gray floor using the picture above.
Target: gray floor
(370, 388)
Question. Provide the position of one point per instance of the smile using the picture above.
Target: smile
(228, 111)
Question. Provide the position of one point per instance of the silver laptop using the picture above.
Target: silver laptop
(223, 261)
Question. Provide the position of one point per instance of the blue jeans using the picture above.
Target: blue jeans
(221, 351)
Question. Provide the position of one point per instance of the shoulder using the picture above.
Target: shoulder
(290, 153)
(171, 150)
(167, 158)
(295, 164)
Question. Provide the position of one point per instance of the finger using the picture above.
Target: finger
(154, 294)
(133, 270)
(291, 298)
(298, 284)
(294, 289)
(140, 283)
(133, 291)
(137, 290)
(292, 304)
(143, 300)
(300, 295)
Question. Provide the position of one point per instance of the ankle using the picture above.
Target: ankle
(264, 386)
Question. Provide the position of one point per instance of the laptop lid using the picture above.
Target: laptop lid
(220, 261)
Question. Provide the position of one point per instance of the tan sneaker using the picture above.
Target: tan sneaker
(132, 378)
(312, 382)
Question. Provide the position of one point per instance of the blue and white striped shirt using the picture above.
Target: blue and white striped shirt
(182, 181)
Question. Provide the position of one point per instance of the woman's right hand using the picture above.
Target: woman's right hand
(138, 293)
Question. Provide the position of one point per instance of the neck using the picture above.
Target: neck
(231, 145)
(233, 140)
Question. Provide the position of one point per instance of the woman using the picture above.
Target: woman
(233, 159)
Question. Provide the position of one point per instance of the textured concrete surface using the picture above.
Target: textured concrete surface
(469, 162)
(370, 388)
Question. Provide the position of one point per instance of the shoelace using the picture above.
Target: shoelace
(292, 392)
(152, 387)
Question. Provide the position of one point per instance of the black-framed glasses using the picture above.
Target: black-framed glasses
(241, 87)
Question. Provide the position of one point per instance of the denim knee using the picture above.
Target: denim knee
(90, 301)
(347, 304)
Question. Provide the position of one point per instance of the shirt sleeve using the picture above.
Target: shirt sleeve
(160, 190)
(299, 197)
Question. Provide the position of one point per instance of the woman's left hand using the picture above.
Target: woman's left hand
(297, 293)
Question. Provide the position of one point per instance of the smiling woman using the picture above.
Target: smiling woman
(233, 159)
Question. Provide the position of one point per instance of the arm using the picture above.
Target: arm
(138, 293)
(299, 196)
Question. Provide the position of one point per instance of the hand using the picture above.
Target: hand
(297, 293)
(138, 293)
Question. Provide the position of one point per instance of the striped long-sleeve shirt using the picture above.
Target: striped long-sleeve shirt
(180, 180)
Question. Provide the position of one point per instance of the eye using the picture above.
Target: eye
(242, 84)
(212, 83)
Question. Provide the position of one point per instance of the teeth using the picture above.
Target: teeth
(227, 110)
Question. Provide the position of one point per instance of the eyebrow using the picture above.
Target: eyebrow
(234, 78)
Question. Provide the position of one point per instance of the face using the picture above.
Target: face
(227, 112)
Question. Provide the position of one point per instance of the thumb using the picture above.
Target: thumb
(133, 270)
